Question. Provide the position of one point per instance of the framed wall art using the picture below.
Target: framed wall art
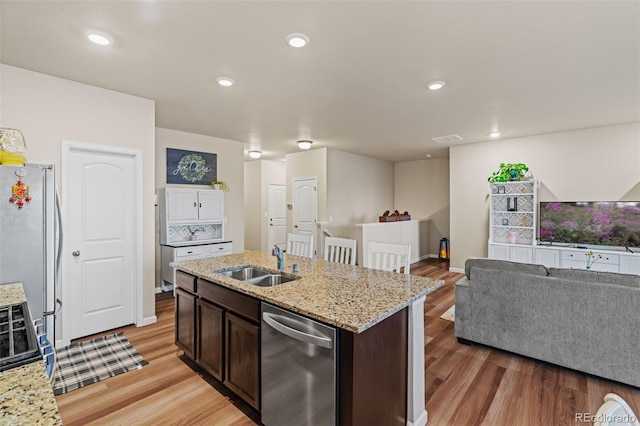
(191, 167)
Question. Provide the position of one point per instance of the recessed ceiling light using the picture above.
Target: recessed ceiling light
(428, 155)
(100, 39)
(297, 40)
(436, 85)
(255, 154)
(494, 135)
(304, 144)
(225, 81)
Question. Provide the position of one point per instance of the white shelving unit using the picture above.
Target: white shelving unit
(191, 216)
(192, 225)
(513, 211)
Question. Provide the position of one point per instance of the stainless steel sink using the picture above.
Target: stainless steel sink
(270, 280)
(255, 275)
(244, 273)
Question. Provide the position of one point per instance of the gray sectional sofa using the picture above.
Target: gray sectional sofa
(584, 320)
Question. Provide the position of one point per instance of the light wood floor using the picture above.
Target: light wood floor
(465, 385)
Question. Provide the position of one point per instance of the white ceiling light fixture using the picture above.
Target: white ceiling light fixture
(225, 81)
(297, 40)
(254, 153)
(436, 85)
(100, 39)
(494, 135)
(304, 144)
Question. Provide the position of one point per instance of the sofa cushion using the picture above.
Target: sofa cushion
(596, 276)
(504, 265)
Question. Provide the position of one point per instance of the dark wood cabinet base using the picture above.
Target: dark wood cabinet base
(373, 374)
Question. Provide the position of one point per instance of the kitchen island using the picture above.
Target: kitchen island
(379, 315)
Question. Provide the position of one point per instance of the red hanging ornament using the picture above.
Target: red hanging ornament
(20, 191)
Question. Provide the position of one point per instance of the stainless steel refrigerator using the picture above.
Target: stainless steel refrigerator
(30, 238)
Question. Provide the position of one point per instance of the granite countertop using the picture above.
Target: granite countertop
(26, 396)
(11, 293)
(353, 298)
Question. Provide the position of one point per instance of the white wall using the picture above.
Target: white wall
(602, 163)
(422, 188)
(230, 162)
(48, 109)
(359, 188)
(258, 174)
(252, 205)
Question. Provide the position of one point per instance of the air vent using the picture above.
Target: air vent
(447, 139)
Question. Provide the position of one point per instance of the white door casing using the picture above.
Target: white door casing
(102, 258)
(277, 216)
(305, 206)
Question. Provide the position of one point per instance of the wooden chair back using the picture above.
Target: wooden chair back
(340, 250)
(300, 245)
(388, 257)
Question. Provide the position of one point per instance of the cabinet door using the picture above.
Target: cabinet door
(630, 264)
(210, 204)
(182, 204)
(242, 352)
(211, 338)
(185, 322)
(498, 251)
(523, 254)
(548, 257)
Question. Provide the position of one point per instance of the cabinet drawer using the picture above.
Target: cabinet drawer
(581, 255)
(603, 267)
(239, 303)
(191, 251)
(185, 281)
(221, 249)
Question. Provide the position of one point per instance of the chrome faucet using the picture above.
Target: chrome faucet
(279, 253)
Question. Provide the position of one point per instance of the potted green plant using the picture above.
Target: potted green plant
(509, 171)
(218, 184)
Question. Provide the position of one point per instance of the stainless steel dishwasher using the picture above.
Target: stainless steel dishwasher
(298, 370)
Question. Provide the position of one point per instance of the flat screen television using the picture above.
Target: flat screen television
(598, 223)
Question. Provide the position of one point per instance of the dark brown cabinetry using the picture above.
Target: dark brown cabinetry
(220, 329)
(210, 354)
(243, 358)
(185, 322)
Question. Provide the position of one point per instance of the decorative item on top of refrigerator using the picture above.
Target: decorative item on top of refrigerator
(13, 148)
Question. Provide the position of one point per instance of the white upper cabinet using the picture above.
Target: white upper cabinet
(210, 205)
(191, 216)
(184, 205)
(181, 204)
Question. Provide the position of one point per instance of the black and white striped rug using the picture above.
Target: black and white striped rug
(82, 364)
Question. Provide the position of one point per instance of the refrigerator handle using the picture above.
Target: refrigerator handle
(60, 235)
(55, 310)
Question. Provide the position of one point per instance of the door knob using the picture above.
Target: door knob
(76, 253)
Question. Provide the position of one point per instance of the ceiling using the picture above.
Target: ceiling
(523, 68)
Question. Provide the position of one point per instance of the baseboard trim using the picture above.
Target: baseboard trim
(458, 270)
(426, 256)
(420, 421)
(148, 321)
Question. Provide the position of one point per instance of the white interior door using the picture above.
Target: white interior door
(100, 267)
(305, 206)
(277, 213)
